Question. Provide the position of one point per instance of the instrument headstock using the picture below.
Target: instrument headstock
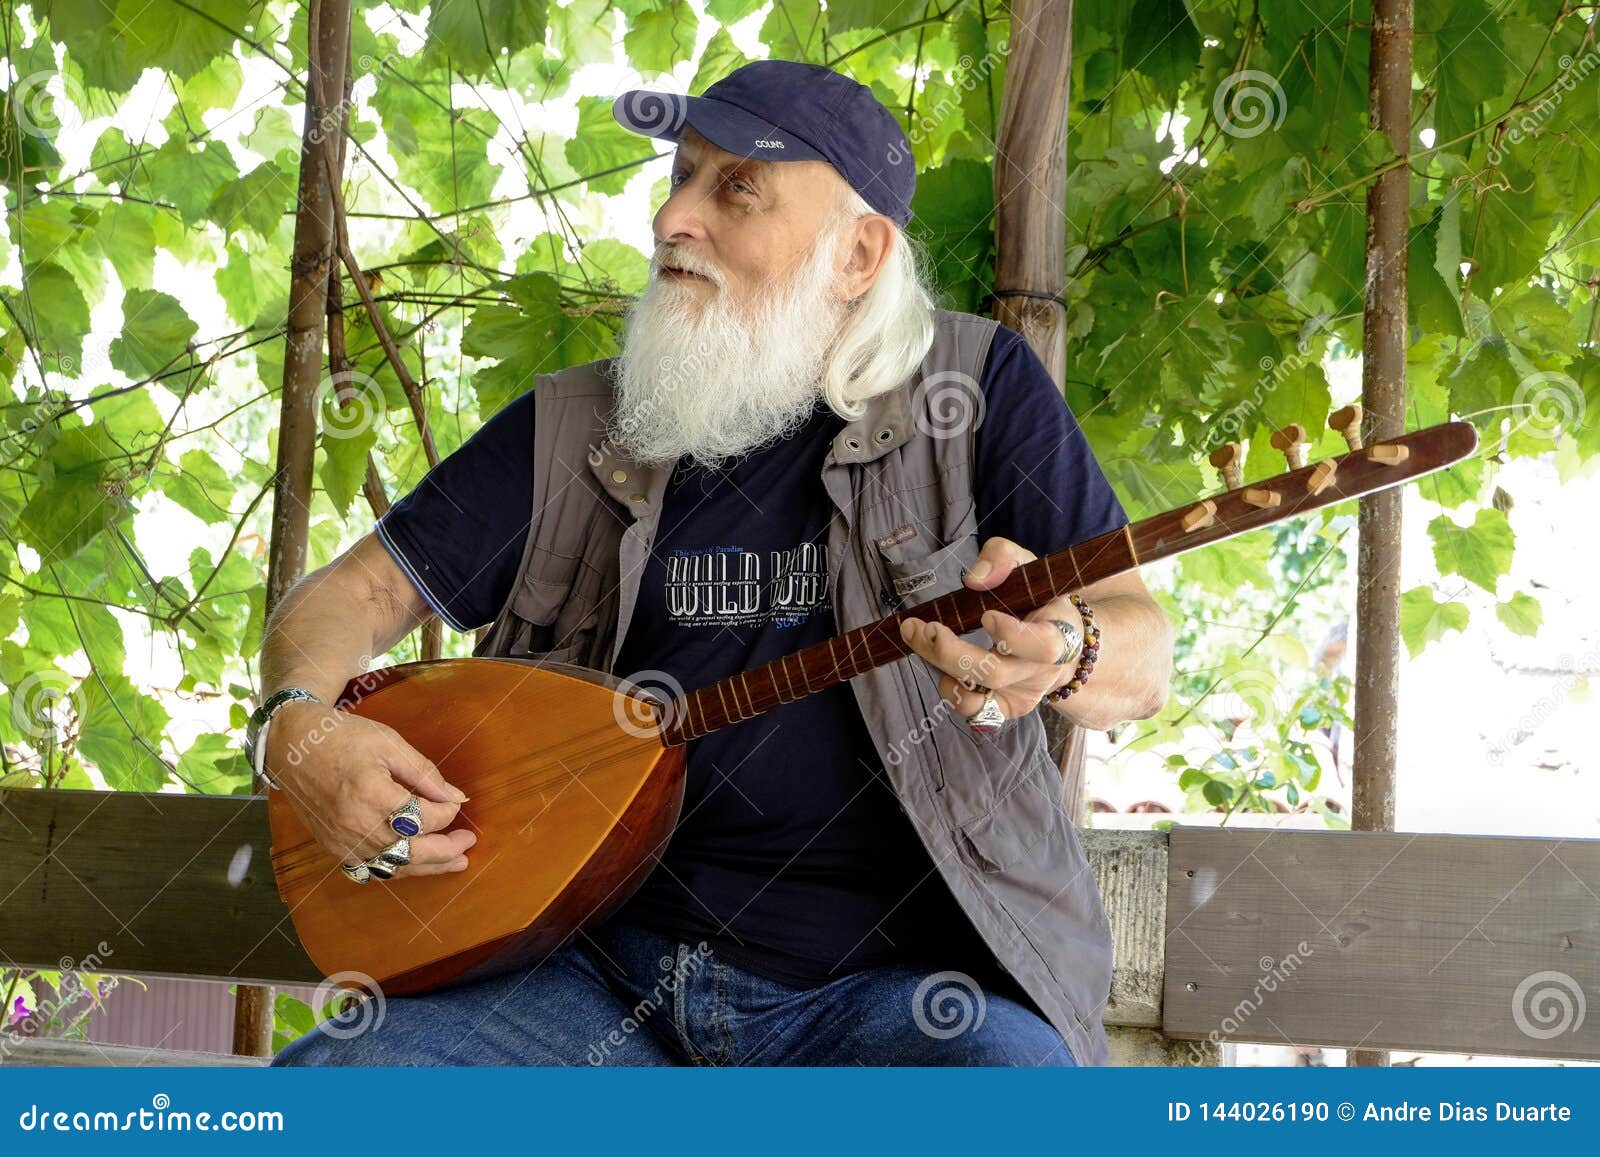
(1364, 469)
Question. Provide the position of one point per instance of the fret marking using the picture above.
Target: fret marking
(732, 718)
(834, 655)
(783, 666)
(1127, 532)
(749, 698)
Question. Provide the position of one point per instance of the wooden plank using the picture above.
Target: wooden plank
(181, 885)
(1476, 944)
(83, 1054)
(149, 883)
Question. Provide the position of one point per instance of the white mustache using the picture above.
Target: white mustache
(677, 257)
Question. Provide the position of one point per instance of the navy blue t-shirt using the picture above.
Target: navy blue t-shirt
(792, 856)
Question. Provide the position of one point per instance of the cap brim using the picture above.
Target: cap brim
(663, 115)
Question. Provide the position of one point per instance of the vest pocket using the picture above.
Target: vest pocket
(915, 575)
(1006, 835)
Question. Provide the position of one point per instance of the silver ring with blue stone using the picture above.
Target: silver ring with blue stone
(406, 820)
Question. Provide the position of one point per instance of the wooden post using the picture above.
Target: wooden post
(328, 54)
(1383, 392)
(1030, 184)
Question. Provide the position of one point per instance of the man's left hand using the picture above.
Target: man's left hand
(1021, 666)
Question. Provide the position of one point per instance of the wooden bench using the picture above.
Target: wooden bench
(1400, 941)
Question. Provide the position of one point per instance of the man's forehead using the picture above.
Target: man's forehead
(692, 145)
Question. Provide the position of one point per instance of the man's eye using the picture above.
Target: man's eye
(679, 178)
(740, 187)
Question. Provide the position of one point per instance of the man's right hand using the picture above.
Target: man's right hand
(344, 774)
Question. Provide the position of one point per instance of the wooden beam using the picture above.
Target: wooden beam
(1030, 186)
(182, 885)
(315, 243)
(1383, 940)
(1383, 400)
(176, 885)
(88, 1054)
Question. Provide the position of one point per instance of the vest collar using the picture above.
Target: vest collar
(885, 425)
(637, 487)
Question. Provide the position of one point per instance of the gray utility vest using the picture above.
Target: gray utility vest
(987, 809)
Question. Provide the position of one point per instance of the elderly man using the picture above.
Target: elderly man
(793, 441)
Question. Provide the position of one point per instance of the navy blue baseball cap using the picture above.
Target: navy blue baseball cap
(783, 110)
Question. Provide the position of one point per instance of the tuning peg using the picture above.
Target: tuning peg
(1388, 454)
(1229, 458)
(1348, 422)
(1291, 440)
(1257, 496)
(1321, 476)
(1201, 515)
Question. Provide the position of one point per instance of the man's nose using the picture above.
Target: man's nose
(679, 218)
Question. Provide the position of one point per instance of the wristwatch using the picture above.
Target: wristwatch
(255, 731)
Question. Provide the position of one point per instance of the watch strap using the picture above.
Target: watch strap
(255, 732)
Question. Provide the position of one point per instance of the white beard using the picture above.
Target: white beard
(709, 379)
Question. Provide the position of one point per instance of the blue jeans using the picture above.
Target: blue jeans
(625, 995)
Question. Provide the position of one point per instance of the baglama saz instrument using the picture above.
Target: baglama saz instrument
(576, 778)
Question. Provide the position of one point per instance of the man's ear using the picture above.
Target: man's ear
(873, 238)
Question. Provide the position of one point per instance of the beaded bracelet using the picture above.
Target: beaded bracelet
(1086, 657)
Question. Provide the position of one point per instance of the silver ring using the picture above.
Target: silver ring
(989, 717)
(396, 855)
(380, 868)
(1071, 641)
(358, 873)
(406, 820)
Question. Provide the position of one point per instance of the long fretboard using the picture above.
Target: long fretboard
(845, 656)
